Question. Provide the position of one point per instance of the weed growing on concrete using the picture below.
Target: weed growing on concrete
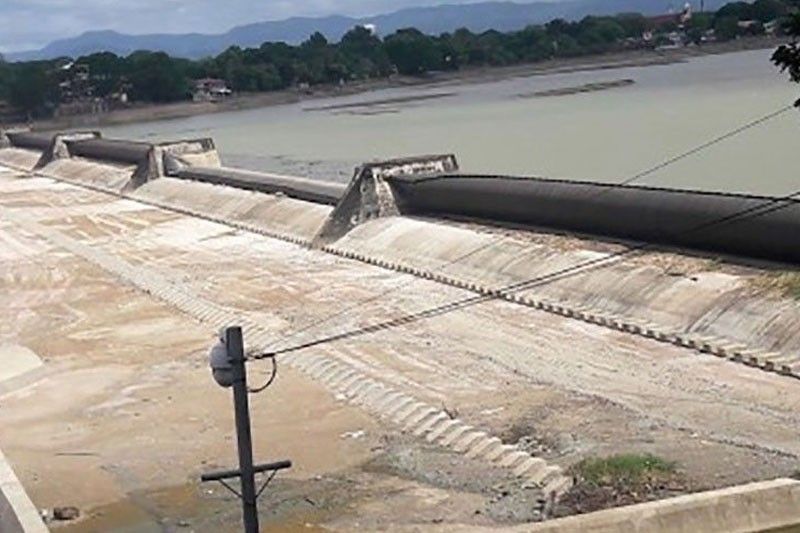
(786, 284)
(627, 470)
(602, 483)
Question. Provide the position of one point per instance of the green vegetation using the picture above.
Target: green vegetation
(786, 284)
(38, 88)
(787, 56)
(622, 470)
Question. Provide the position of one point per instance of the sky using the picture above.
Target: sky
(31, 24)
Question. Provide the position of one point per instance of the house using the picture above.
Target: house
(211, 90)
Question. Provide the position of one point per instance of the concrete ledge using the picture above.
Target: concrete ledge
(763, 506)
(17, 512)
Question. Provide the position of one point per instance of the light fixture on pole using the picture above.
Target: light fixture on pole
(227, 363)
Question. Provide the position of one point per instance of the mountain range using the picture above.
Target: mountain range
(478, 17)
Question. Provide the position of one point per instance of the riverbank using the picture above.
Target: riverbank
(638, 58)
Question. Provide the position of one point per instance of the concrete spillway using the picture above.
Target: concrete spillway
(737, 225)
(399, 215)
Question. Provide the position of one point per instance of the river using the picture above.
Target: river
(504, 127)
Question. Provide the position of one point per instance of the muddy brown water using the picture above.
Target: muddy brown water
(600, 136)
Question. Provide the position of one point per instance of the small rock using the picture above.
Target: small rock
(184, 523)
(66, 513)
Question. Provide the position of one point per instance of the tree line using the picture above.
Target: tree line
(33, 87)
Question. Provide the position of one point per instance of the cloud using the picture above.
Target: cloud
(30, 24)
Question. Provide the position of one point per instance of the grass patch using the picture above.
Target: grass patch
(622, 470)
(604, 483)
(786, 284)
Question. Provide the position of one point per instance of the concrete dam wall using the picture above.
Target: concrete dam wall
(731, 224)
(420, 216)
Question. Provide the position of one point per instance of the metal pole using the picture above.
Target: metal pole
(235, 345)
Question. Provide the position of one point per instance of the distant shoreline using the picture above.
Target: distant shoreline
(638, 58)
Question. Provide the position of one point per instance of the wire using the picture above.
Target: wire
(271, 379)
(533, 282)
(709, 144)
(547, 277)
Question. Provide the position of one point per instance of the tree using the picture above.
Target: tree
(364, 54)
(531, 44)
(633, 24)
(107, 71)
(787, 56)
(156, 77)
(32, 88)
(768, 10)
(737, 10)
(412, 52)
(726, 28)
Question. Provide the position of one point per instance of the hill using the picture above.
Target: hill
(501, 16)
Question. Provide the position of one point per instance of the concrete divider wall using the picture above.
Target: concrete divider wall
(108, 176)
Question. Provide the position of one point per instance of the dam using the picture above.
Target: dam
(461, 311)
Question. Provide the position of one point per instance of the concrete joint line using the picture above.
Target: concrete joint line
(353, 389)
(311, 361)
(333, 379)
(362, 395)
(430, 423)
(318, 365)
(318, 370)
(329, 371)
(455, 434)
(441, 429)
(421, 419)
(497, 454)
(483, 447)
(389, 399)
(408, 411)
(531, 465)
(374, 394)
(341, 377)
(467, 440)
(397, 405)
(512, 459)
(345, 383)
(548, 474)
